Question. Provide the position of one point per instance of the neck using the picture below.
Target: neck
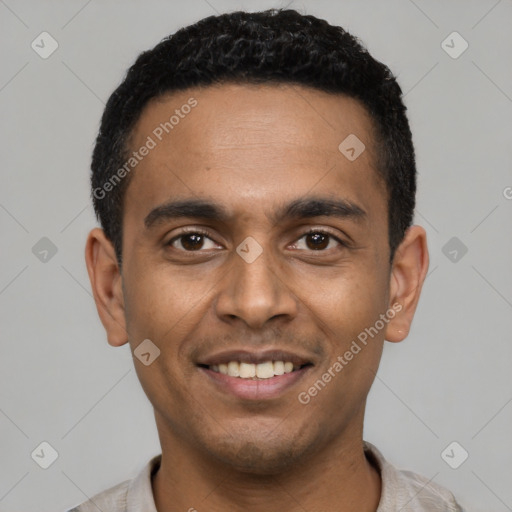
(338, 478)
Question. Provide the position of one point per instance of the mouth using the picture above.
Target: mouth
(260, 371)
(255, 376)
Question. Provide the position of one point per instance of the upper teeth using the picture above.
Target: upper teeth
(264, 370)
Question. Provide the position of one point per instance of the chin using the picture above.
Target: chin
(262, 453)
(257, 459)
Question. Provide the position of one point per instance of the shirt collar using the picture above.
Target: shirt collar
(140, 493)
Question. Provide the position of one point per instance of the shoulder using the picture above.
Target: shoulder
(408, 491)
(128, 496)
(113, 500)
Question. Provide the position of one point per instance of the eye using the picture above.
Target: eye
(192, 241)
(318, 240)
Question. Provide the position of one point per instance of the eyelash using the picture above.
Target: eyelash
(198, 231)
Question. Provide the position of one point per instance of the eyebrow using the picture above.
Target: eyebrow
(302, 208)
(196, 208)
(305, 208)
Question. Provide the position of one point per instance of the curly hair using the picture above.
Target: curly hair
(273, 46)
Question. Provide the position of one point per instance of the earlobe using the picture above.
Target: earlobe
(409, 269)
(106, 283)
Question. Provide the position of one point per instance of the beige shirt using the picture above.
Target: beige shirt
(402, 491)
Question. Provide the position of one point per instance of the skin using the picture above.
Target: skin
(253, 149)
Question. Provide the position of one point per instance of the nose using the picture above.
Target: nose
(256, 291)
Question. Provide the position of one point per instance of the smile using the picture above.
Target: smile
(254, 375)
(264, 370)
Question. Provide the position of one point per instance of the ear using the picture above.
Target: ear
(408, 273)
(106, 282)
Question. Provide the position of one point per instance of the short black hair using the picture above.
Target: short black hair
(273, 46)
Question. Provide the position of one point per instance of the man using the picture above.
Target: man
(254, 177)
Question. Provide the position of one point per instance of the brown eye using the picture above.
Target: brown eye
(192, 241)
(317, 241)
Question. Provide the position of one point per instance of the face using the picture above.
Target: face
(251, 243)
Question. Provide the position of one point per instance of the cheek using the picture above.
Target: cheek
(345, 300)
(159, 302)
(161, 309)
(347, 311)
(358, 301)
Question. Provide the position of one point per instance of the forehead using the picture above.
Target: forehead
(232, 115)
(252, 144)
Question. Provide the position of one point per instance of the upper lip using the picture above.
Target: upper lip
(254, 357)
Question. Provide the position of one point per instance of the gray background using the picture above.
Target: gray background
(62, 383)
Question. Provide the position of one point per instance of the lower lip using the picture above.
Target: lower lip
(262, 389)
